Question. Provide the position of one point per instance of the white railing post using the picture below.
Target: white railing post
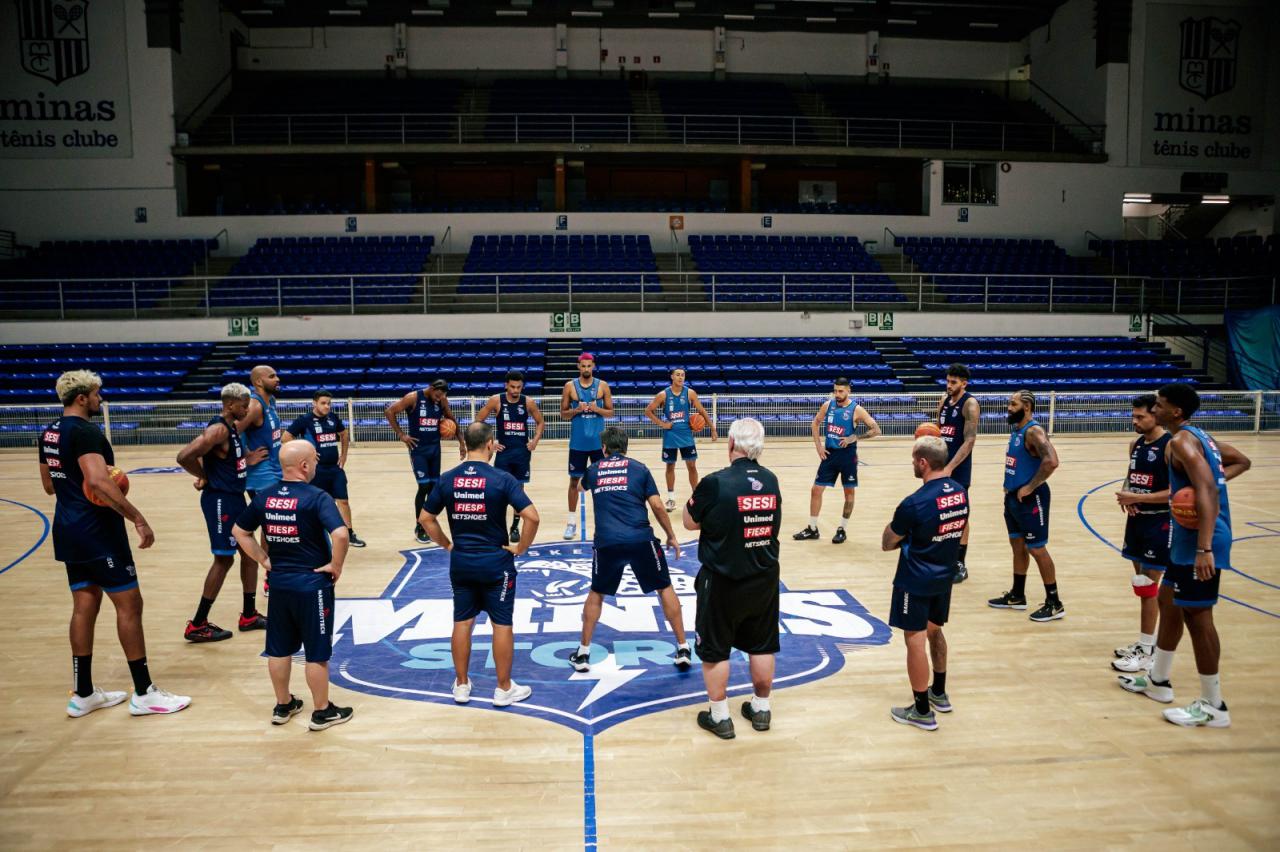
(106, 418)
(351, 419)
(1053, 405)
(208, 308)
(784, 291)
(715, 410)
(1257, 411)
(351, 281)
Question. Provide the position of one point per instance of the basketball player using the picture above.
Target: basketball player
(260, 428)
(958, 417)
(585, 403)
(620, 489)
(737, 512)
(1145, 499)
(482, 566)
(426, 408)
(306, 546)
(515, 448)
(91, 541)
(927, 526)
(1028, 464)
(1197, 559)
(324, 430)
(218, 461)
(676, 402)
(835, 438)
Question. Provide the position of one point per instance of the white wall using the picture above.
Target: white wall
(206, 54)
(474, 326)
(1245, 218)
(1062, 61)
(949, 60)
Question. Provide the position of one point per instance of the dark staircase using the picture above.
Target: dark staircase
(906, 366)
(208, 373)
(561, 364)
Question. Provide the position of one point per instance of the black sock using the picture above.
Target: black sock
(250, 605)
(141, 675)
(1019, 585)
(922, 701)
(418, 500)
(202, 611)
(1051, 592)
(964, 548)
(939, 683)
(82, 673)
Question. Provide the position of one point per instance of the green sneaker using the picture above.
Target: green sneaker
(939, 701)
(1199, 713)
(908, 716)
(1142, 684)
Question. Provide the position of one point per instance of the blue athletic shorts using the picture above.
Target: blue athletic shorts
(647, 561)
(301, 620)
(688, 453)
(840, 463)
(515, 461)
(579, 459)
(111, 573)
(1028, 519)
(221, 508)
(1187, 590)
(332, 480)
(425, 459)
(495, 597)
(1146, 540)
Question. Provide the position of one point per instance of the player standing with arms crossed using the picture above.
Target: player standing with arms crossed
(958, 417)
(515, 448)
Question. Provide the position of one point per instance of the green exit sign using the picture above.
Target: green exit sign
(242, 327)
(882, 320)
(566, 321)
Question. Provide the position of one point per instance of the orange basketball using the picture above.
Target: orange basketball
(928, 428)
(1183, 508)
(448, 429)
(697, 422)
(118, 476)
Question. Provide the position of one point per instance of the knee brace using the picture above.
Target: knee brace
(1144, 586)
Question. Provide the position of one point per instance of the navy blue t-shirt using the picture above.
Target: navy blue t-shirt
(620, 487)
(298, 518)
(932, 519)
(476, 496)
(227, 473)
(82, 532)
(323, 433)
(424, 420)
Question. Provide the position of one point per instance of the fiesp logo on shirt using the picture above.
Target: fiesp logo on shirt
(397, 645)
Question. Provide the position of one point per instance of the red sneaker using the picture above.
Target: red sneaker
(253, 621)
(207, 632)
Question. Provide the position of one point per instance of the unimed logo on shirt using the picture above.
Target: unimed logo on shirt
(397, 645)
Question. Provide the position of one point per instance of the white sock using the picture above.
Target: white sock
(1162, 665)
(759, 704)
(1147, 641)
(843, 521)
(685, 644)
(584, 649)
(719, 710)
(573, 519)
(1211, 690)
(813, 521)
(671, 495)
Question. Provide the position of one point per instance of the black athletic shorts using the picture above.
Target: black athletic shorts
(1146, 540)
(301, 620)
(1189, 591)
(332, 480)
(647, 561)
(915, 612)
(110, 573)
(740, 614)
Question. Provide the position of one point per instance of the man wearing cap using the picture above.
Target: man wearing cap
(585, 403)
(426, 408)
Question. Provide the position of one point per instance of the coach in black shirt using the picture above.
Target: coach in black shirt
(738, 511)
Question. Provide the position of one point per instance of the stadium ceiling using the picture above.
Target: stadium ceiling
(980, 20)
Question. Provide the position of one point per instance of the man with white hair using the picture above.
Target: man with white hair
(738, 511)
(90, 539)
(927, 526)
(219, 461)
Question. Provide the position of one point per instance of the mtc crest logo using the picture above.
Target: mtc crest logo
(1210, 48)
(53, 37)
(398, 645)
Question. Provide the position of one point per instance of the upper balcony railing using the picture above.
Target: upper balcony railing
(356, 129)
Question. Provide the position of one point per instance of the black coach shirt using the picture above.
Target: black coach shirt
(740, 510)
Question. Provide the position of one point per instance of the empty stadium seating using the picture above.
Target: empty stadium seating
(130, 371)
(1206, 258)
(87, 268)
(732, 113)
(353, 271)
(582, 110)
(600, 263)
(971, 270)
(754, 267)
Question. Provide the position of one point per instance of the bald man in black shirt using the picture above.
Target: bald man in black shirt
(738, 511)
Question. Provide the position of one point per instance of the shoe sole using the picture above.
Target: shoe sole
(251, 629)
(497, 702)
(941, 708)
(1055, 617)
(357, 544)
(210, 639)
(276, 720)
(914, 724)
(729, 736)
(1145, 668)
(149, 711)
(581, 667)
(1019, 607)
(465, 699)
(83, 713)
(1215, 723)
(684, 664)
(341, 720)
(838, 541)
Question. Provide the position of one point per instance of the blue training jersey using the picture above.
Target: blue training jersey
(227, 473)
(1182, 541)
(1019, 465)
(298, 518)
(267, 434)
(82, 531)
(676, 410)
(424, 420)
(513, 422)
(476, 496)
(932, 521)
(840, 422)
(585, 429)
(323, 433)
(620, 489)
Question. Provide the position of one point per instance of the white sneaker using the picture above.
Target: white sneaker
(671, 505)
(461, 691)
(517, 692)
(1197, 714)
(570, 531)
(1143, 685)
(1136, 662)
(1128, 650)
(157, 701)
(77, 706)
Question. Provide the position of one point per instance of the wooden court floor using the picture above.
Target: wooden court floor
(1042, 750)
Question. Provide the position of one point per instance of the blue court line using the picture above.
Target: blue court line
(588, 793)
(43, 533)
(1100, 537)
